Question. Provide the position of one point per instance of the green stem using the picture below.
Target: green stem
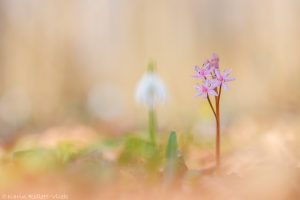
(152, 126)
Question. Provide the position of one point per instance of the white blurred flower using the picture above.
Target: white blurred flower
(151, 90)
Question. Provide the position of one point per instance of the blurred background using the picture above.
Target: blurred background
(79, 61)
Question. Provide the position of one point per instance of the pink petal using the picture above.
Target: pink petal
(212, 92)
(229, 79)
(227, 72)
(198, 87)
(196, 76)
(225, 86)
(198, 94)
(206, 64)
(215, 83)
(218, 74)
(197, 69)
(214, 56)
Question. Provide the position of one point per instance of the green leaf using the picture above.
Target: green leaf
(35, 159)
(172, 148)
(136, 150)
(140, 152)
(175, 165)
(65, 152)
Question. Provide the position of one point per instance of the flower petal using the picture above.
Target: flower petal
(229, 79)
(213, 92)
(214, 57)
(227, 72)
(218, 74)
(204, 95)
(215, 83)
(198, 87)
(225, 86)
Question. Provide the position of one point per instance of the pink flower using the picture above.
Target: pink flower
(202, 72)
(223, 78)
(214, 61)
(207, 88)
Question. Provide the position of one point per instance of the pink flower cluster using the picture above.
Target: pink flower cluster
(211, 77)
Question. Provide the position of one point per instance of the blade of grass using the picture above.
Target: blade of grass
(175, 165)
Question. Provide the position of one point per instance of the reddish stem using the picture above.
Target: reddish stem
(218, 134)
(218, 131)
(211, 106)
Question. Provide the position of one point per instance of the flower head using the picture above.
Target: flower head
(223, 78)
(206, 88)
(151, 89)
(211, 77)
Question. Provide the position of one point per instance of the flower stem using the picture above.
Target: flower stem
(211, 106)
(152, 126)
(218, 131)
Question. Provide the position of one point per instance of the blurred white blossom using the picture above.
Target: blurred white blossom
(151, 90)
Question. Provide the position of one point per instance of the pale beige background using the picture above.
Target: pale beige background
(56, 53)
